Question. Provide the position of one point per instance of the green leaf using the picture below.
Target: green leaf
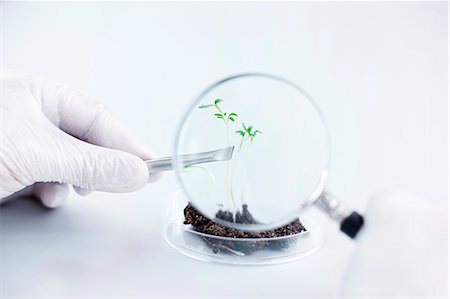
(249, 129)
(217, 101)
(233, 114)
(252, 135)
(204, 106)
(218, 115)
(243, 125)
(240, 132)
(230, 118)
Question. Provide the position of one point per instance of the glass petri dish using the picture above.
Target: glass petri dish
(236, 251)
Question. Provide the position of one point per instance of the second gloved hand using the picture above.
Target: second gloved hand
(401, 250)
(54, 136)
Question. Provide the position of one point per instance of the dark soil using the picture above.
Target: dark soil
(205, 225)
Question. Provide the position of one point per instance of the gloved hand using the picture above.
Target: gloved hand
(53, 136)
(401, 250)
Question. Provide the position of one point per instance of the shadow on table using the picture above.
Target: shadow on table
(27, 209)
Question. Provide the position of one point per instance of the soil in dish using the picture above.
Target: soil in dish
(207, 226)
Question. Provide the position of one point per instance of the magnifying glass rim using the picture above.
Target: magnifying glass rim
(323, 176)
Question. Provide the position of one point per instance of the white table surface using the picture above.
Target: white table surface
(378, 70)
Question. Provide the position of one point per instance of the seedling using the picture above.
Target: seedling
(209, 227)
(226, 117)
(247, 133)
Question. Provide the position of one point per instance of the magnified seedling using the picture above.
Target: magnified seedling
(247, 134)
(236, 210)
(279, 164)
(251, 155)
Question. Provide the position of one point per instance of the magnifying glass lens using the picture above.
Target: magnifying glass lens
(280, 158)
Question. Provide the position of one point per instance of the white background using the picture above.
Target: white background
(378, 71)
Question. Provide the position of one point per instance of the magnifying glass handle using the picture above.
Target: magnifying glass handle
(350, 221)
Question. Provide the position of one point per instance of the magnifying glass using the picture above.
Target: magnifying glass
(279, 161)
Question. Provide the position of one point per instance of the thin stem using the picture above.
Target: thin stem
(233, 172)
(228, 181)
(218, 108)
(238, 155)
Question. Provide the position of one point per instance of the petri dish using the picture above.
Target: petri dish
(236, 251)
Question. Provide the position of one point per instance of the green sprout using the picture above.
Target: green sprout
(226, 117)
(246, 133)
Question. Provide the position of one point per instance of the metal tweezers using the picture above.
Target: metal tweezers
(167, 163)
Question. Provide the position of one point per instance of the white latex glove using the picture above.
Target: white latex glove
(53, 136)
(401, 251)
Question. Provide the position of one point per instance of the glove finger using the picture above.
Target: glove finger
(84, 117)
(82, 191)
(52, 195)
(93, 167)
(60, 157)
